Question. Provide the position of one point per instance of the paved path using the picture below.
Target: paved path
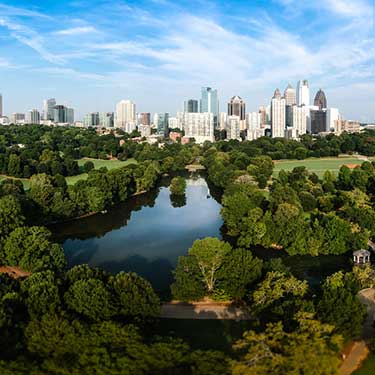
(356, 356)
(203, 310)
(360, 350)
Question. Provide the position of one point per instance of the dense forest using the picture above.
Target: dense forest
(85, 321)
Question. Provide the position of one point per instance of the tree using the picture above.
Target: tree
(311, 349)
(134, 296)
(239, 270)
(42, 190)
(340, 305)
(90, 298)
(188, 284)
(41, 294)
(88, 166)
(261, 167)
(308, 201)
(30, 248)
(210, 254)
(14, 166)
(11, 215)
(178, 186)
(276, 286)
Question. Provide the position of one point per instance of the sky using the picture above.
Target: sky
(90, 54)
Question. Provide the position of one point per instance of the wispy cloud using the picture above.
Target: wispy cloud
(77, 30)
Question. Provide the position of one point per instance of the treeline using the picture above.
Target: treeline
(298, 211)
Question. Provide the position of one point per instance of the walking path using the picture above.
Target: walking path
(203, 310)
(360, 350)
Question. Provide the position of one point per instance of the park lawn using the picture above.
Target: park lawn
(316, 165)
(71, 180)
(368, 367)
(109, 164)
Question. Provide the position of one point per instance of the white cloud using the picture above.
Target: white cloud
(77, 30)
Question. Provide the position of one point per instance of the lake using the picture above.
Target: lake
(149, 232)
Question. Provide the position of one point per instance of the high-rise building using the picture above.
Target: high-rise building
(1, 105)
(318, 121)
(303, 93)
(264, 116)
(290, 101)
(144, 118)
(17, 118)
(125, 113)
(33, 117)
(161, 122)
(233, 127)
(332, 116)
(320, 100)
(191, 106)
(174, 123)
(278, 115)
(210, 103)
(106, 119)
(59, 114)
(237, 107)
(70, 115)
(223, 120)
(48, 109)
(347, 126)
(300, 119)
(91, 119)
(145, 130)
(199, 126)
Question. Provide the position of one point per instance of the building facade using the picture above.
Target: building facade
(125, 113)
(33, 117)
(303, 93)
(60, 114)
(144, 118)
(161, 122)
(199, 126)
(106, 119)
(48, 109)
(320, 100)
(290, 100)
(237, 107)
(234, 127)
(278, 120)
(191, 106)
(91, 119)
(318, 121)
(17, 118)
(300, 119)
(209, 103)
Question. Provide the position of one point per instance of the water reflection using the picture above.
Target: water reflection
(145, 235)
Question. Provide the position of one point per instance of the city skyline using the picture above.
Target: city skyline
(90, 58)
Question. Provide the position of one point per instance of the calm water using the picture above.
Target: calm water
(145, 235)
(148, 233)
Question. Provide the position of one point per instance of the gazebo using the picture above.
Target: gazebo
(361, 257)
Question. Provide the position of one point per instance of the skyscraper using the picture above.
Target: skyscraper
(290, 101)
(106, 119)
(199, 126)
(70, 115)
(318, 121)
(320, 99)
(300, 119)
(59, 114)
(191, 106)
(233, 127)
(161, 121)
(237, 107)
(48, 109)
(1, 105)
(144, 118)
(91, 119)
(303, 93)
(210, 103)
(277, 115)
(33, 117)
(125, 113)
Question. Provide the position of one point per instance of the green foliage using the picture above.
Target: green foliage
(340, 305)
(90, 298)
(30, 248)
(11, 215)
(178, 186)
(311, 349)
(133, 296)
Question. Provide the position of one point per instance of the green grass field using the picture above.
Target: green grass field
(318, 166)
(368, 367)
(71, 180)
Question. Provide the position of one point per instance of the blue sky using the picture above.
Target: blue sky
(91, 54)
